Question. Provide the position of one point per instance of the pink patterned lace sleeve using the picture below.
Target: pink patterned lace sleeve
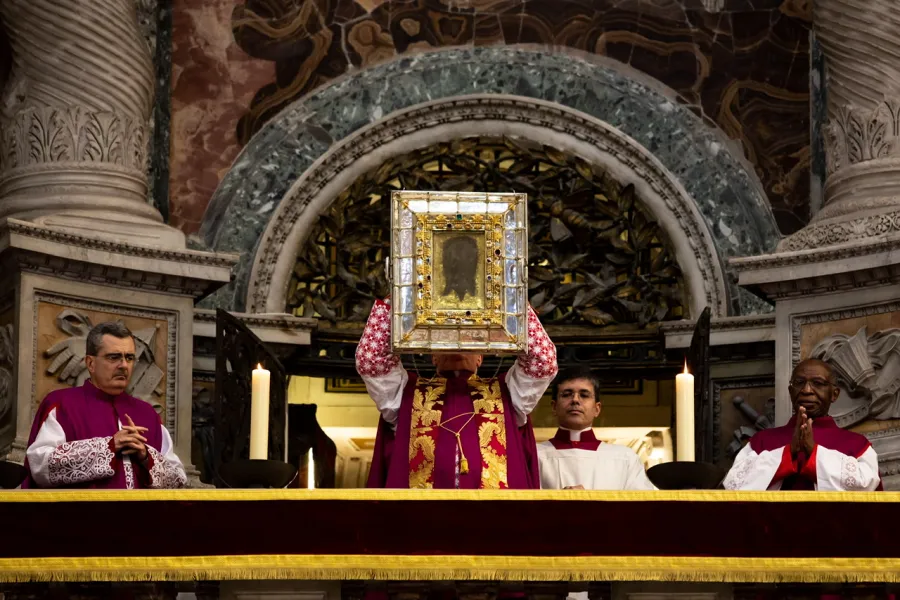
(373, 354)
(540, 360)
(81, 461)
(163, 474)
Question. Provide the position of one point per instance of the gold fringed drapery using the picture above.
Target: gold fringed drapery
(449, 568)
(374, 534)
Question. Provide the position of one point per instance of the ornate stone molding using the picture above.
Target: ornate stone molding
(211, 259)
(856, 135)
(724, 331)
(58, 253)
(822, 235)
(674, 210)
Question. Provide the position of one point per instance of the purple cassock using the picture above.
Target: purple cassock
(72, 439)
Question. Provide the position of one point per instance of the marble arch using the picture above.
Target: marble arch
(421, 126)
(287, 169)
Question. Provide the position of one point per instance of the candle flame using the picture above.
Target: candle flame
(686, 372)
(259, 366)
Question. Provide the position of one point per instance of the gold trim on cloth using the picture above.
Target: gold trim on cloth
(260, 495)
(453, 567)
(487, 402)
(423, 431)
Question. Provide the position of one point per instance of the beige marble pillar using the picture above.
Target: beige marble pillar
(861, 43)
(74, 120)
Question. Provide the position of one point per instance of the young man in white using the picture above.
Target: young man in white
(574, 459)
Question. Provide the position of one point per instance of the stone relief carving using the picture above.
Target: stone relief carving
(69, 367)
(7, 393)
(868, 373)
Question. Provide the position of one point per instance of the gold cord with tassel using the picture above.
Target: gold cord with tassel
(463, 463)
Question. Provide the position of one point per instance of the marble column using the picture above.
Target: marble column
(861, 45)
(74, 120)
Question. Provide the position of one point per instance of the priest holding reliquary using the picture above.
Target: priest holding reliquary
(458, 276)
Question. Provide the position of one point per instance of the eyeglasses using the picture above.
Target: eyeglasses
(117, 357)
(817, 384)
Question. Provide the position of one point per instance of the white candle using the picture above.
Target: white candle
(310, 472)
(259, 414)
(684, 415)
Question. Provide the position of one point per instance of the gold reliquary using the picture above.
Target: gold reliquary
(458, 272)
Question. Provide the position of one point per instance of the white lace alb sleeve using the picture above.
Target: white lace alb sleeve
(55, 462)
(531, 374)
(380, 370)
(752, 471)
(164, 468)
(837, 471)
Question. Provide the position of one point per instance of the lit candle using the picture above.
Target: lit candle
(259, 414)
(684, 415)
(310, 472)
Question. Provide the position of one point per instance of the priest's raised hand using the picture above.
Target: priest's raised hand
(455, 430)
(78, 438)
(574, 459)
(810, 452)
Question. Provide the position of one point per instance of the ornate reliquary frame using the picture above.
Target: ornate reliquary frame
(459, 272)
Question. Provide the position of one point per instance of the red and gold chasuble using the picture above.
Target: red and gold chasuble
(487, 418)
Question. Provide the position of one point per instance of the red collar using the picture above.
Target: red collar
(563, 440)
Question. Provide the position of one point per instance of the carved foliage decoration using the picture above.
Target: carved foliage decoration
(856, 135)
(595, 259)
(46, 135)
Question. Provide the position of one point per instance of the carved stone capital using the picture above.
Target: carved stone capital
(45, 135)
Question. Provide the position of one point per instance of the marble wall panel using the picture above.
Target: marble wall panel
(753, 393)
(744, 68)
(213, 83)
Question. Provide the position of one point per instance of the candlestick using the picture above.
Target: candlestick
(684, 415)
(259, 414)
(310, 472)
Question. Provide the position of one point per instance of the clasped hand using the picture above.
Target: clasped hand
(129, 440)
(803, 434)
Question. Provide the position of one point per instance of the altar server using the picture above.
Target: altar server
(811, 452)
(574, 458)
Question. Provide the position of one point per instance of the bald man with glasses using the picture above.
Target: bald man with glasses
(98, 436)
(811, 452)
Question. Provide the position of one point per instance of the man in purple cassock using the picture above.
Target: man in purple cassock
(455, 430)
(96, 435)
